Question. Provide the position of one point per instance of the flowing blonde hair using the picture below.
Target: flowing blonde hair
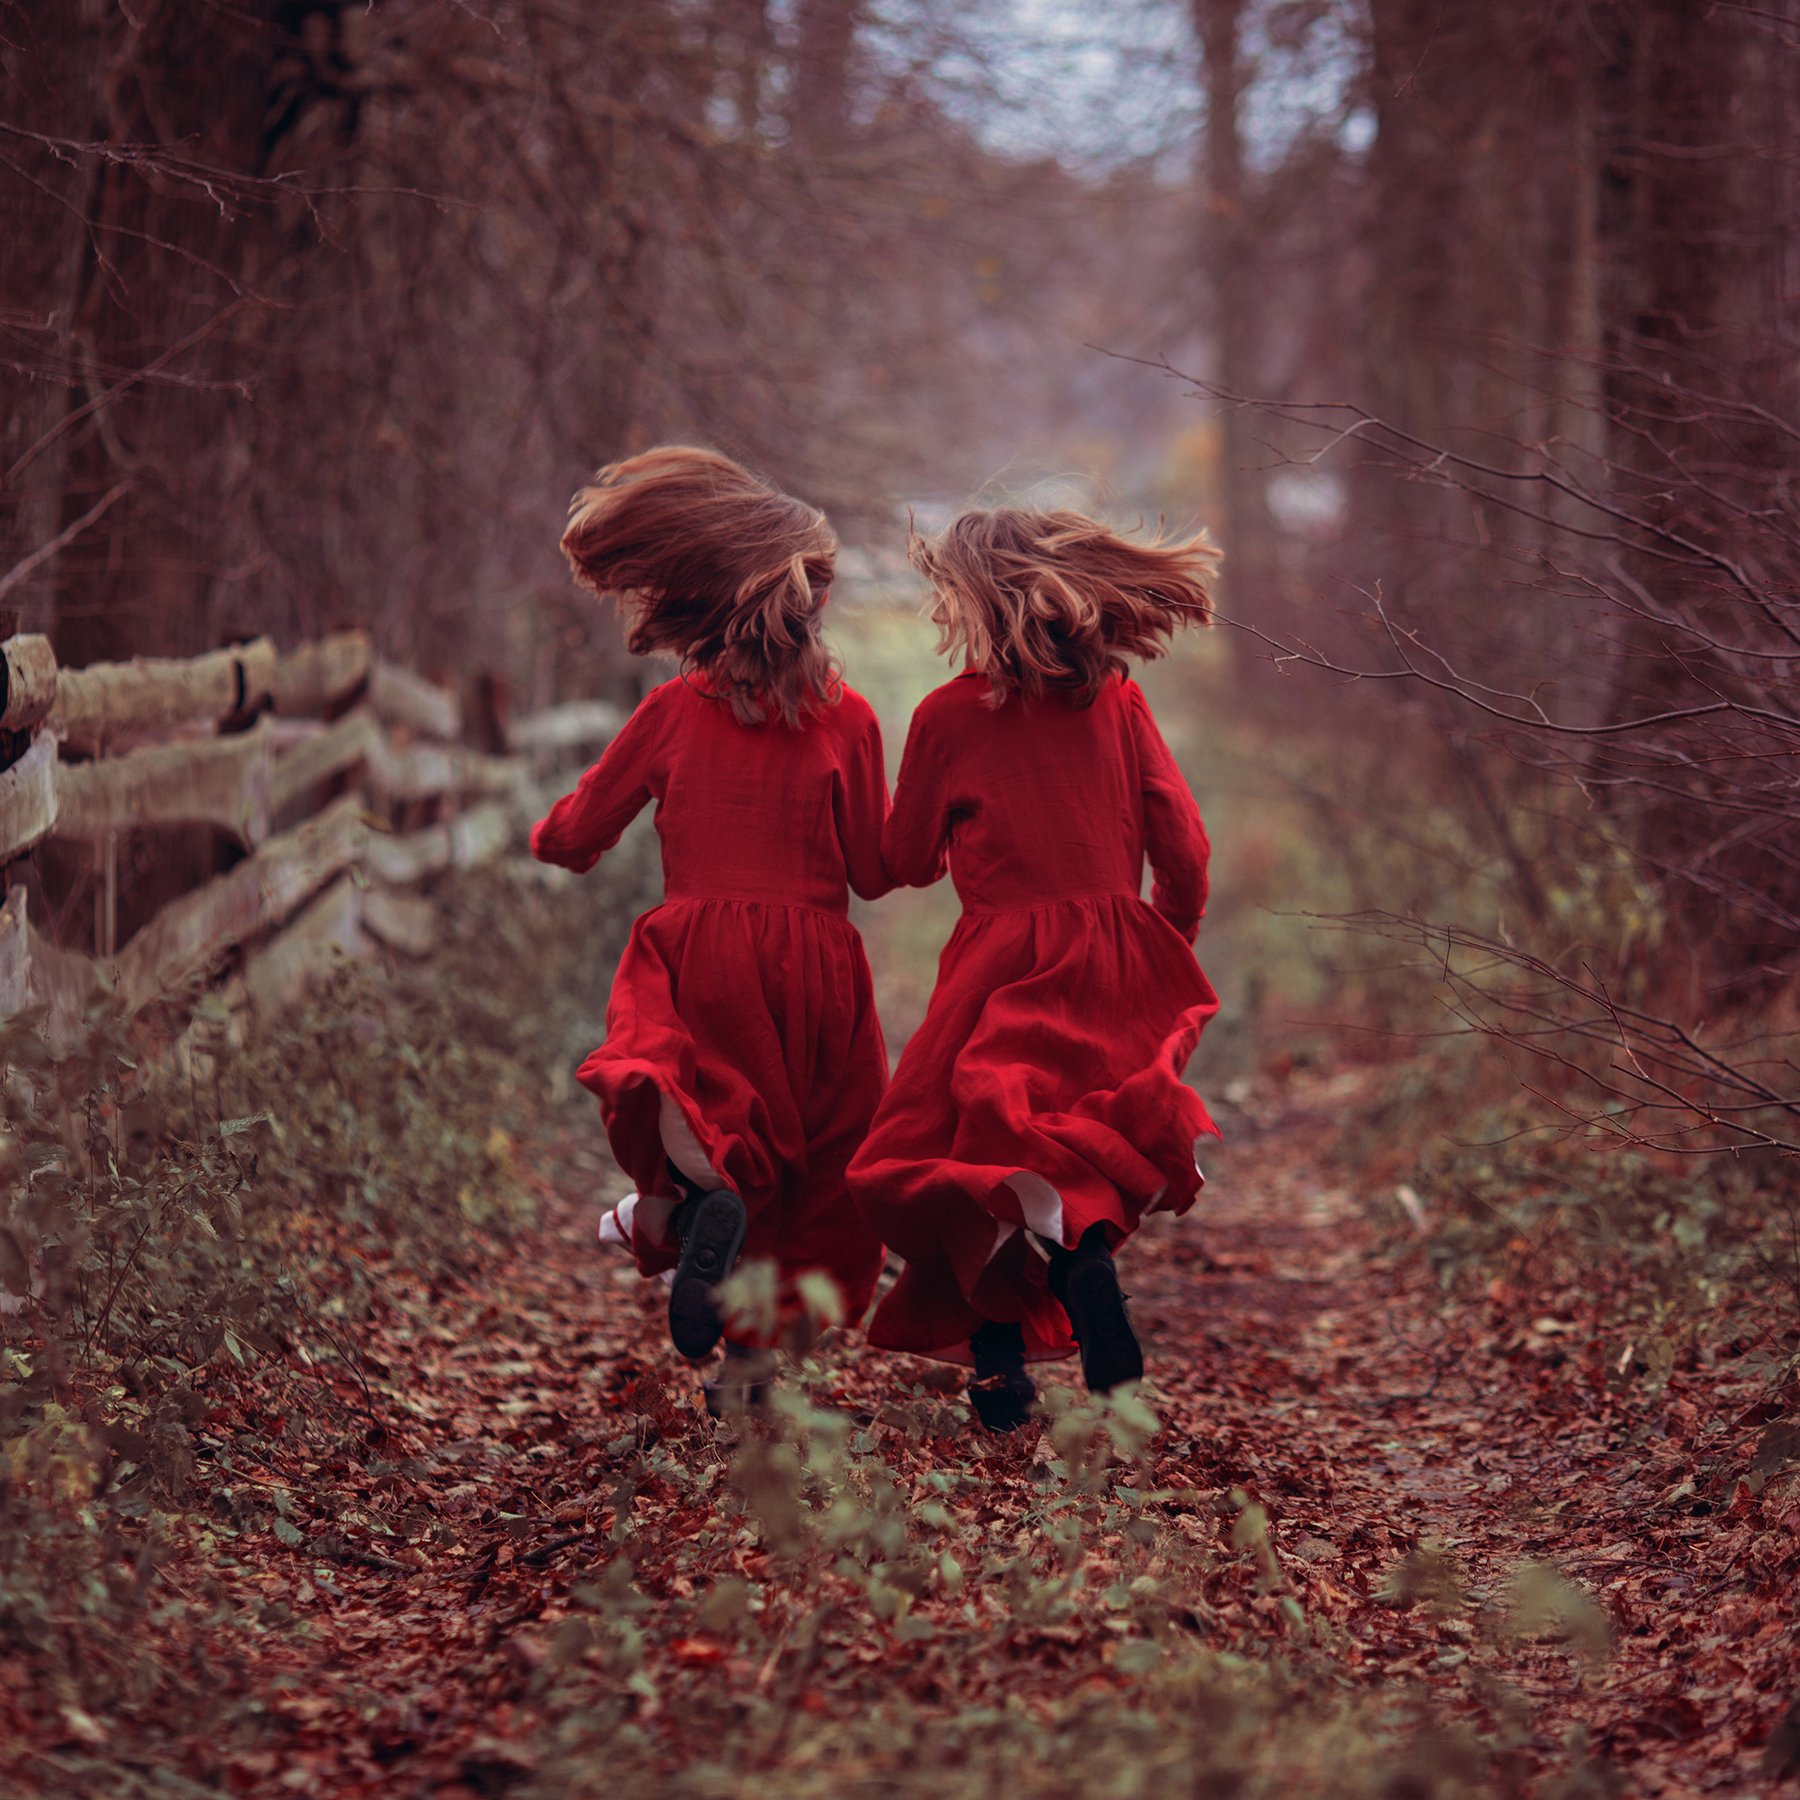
(1056, 601)
(716, 565)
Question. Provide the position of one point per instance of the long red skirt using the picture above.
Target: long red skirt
(1042, 1094)
(742, 1043)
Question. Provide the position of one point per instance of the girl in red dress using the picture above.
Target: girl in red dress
(1039, 1112)
(743, 1059)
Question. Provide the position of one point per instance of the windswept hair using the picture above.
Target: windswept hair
(714, 564)
(1043, 602)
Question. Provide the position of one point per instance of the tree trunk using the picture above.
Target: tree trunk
(163, 253)
(820, 115)
(49, 84)
(1229, 246)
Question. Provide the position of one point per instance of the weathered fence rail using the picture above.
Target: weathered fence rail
(307, 759)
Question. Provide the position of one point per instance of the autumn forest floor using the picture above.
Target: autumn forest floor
(1397, 1514)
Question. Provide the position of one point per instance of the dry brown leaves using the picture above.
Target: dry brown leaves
(500, 1541)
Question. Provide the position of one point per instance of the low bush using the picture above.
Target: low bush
(174, 1230)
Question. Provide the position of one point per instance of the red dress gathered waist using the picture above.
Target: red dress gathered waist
(1043, 1092)
(741, 1035)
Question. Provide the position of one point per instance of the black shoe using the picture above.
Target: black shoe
(711, 1229)
(742, 1385)
(1000, 1390)
(1086, 1281)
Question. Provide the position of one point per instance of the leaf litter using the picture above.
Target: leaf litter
(455, 1521)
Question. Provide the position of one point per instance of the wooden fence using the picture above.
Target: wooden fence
(307, 759)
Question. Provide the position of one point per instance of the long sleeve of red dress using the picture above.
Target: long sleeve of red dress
(860, 806)
(581, 827)
(1175, 840)
(916, 844)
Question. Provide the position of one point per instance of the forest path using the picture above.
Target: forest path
(521, 1424)
(1418, 1442)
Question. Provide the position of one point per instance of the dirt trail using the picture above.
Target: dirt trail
(395, 1638)
(1371, 1412)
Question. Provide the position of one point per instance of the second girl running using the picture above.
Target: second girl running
(1039, 1112)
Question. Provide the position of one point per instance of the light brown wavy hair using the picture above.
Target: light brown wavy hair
(1054, 602)
(716, 565)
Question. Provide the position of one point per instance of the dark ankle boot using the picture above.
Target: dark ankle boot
(1000, 1390)
(711, 1230)
(1086, 1281)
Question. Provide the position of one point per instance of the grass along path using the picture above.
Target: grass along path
(1384, 1534)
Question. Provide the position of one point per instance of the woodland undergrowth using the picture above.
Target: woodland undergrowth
(1073, 1644)
(200, 1386)
(185, 1258)
(1684, 1254)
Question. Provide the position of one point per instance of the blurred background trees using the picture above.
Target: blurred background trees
(317, 311)
(1469, 329)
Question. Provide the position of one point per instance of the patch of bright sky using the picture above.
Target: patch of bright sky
(1101, 86)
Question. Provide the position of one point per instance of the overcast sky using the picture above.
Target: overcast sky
(1121, 81)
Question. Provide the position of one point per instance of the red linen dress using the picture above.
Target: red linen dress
(1043, 1091)
(741, 1035)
